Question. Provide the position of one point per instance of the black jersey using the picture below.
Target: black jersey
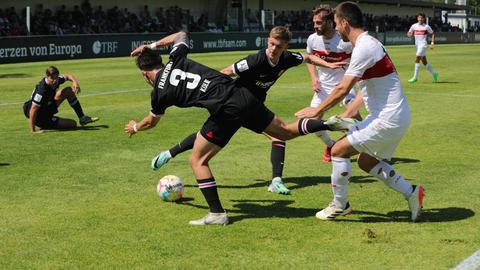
(186, 83)
(258, 74)
(43, 94)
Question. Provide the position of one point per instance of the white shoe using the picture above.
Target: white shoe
(331, 212)
(415, 201)
(337, 123)
(212, 219)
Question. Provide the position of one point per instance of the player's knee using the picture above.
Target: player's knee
(197, 161)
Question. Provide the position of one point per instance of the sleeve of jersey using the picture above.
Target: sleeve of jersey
(38, 96)
(411, 29)
(61, 80)
(362, 59)
(158, 104)
(309, 45)
(179, 50)
(245, 65)
(294, 59)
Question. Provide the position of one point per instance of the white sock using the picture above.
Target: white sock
(341, 172)
(323, 135)
(417, 68)
(391, 178)
(429, 68)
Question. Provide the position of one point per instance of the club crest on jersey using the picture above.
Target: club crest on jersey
(165, 73)
(242, 65)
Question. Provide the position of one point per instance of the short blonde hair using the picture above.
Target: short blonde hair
(281, 32)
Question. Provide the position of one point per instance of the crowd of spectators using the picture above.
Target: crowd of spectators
(85, 19)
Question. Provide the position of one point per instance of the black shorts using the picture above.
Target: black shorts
(242, 109)
(46, 118)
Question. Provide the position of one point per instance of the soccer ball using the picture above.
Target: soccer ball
(170, 188)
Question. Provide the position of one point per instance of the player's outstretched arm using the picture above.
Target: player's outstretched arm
(313, 77)
(75, 85)
(317, 61)
(432, 44)
(147, 122)
(33, 117)
(228, 71)
(353, 107)
(340, 91)
(166, 41)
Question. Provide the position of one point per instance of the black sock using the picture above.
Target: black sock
(75, 104)
(307, 125)
(209, 191)
(184, 145)
(277, 157)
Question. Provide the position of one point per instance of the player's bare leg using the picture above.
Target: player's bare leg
(68, 94)
(383, 171)
(203, 151)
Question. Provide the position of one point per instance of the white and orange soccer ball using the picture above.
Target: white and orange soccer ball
(170, 188)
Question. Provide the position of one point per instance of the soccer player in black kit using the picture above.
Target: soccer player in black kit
(47, 97)
(258, 72)
(182, 82)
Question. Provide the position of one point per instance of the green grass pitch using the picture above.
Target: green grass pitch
(86, 199)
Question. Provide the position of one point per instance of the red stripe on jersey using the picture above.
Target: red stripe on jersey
(332, 56)
(420, 32)
(381, 69)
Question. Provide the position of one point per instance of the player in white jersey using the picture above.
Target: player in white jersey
(420, 31)
(327, 44)
(376, 137)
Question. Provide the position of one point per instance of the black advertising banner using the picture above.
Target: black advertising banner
(47, 48)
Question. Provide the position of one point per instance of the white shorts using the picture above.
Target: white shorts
(322, 95)
(421, 50)
(375, 137)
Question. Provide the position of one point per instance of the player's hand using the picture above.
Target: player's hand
(315, 85)
(336, 65)
(431, 46)
(76, 88)
(308, 112)
(138, 50)
(129, 128)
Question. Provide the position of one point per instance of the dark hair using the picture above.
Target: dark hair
(149, 59)
(351, 12)
(421, 14)
(324, 8)
(52, 71)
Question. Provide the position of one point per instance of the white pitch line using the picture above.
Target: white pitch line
(91, 95)
(470, 263)
(409, 91)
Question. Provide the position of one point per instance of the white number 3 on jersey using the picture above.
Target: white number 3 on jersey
(178, 75)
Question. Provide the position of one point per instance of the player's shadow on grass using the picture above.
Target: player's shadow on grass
(298, 182)
(258, 183)
(263, 209)
(4, 164)
(447, 82)
(306, 181)
(14, 75)
(428, 215)
(96, 127)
